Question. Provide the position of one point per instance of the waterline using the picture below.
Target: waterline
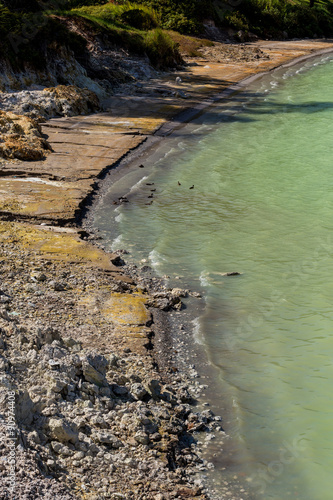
(261, 205)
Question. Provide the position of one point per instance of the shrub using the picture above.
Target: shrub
(73, 4)
(236, 20)
(139, 19)
(183, 16)
(129, 14)
(161, 50)
(182, 24)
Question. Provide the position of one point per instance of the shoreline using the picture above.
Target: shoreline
(239, 488)
(92, 324)
(177, 121)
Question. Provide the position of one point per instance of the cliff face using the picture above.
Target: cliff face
(72, 76)
(62, 68)
(85, 57)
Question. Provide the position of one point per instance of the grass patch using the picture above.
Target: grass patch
(189, 45)
(126, 16)
(161, 49)
(135, 27)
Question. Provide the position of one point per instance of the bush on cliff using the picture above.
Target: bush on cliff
(22, 5)
(183, 16)
(161, 49)
(135, 27)
(139, 19)
(129, 15)
(26, 37)
(278, 18)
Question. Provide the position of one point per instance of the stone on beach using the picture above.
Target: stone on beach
(62, 430)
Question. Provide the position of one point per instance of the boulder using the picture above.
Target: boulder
(141, 438)
(104, 437)
(62, 430)
(138, 391)
(94, 369)
(153, 387)
(24, 408)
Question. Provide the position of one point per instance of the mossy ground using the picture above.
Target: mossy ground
(58, 246)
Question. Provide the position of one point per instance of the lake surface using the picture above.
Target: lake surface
(262, 205)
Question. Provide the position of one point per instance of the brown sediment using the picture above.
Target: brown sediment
(51, 276)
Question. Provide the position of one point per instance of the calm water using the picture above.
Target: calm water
(262, 205)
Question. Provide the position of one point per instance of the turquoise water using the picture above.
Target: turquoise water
(262, 205)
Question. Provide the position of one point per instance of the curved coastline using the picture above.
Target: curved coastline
(177, 338)
(63, 242)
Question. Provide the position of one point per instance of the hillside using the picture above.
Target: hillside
(99, 44)
(30, 30)
(68, 57)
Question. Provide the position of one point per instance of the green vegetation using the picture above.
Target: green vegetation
(155, 28)
(266, 18)
(280, 18)
(26, 31)
(189, 45)
(136, 27)
(128, 16)
(183, 16)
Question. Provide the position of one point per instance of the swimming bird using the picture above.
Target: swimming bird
(179, 184)
(150, 183)
(149, 202)
(192, 187)
(141, 166)
(230, 273)
(151, 196)
(152, 190)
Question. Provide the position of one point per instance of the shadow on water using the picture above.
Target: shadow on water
(244, 107)
(245, 111)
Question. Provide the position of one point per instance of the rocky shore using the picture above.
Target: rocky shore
(95, 417)
(88, 406)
